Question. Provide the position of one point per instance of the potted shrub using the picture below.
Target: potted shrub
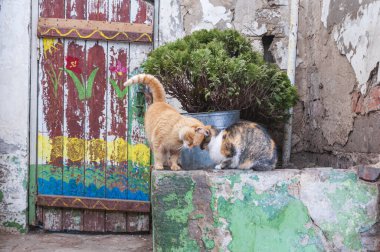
(217, 70)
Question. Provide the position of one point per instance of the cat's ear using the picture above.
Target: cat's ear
(203, 130)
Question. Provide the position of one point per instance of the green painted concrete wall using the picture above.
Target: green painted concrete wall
(284, 210)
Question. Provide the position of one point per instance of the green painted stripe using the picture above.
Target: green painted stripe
(32, 194)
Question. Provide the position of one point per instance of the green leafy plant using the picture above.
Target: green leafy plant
(218, 70)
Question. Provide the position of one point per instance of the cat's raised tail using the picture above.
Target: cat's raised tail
(157, 89)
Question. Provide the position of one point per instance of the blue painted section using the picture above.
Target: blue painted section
(73, 188)
(73, 176)
(93, 192)
(117, 181)
(53, 187)
(94, 181)
(116, 193)
(138, 195)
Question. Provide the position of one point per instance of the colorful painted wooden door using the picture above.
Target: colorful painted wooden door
(93, 167)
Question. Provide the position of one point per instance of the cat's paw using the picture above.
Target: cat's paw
(218, 167)
(175, 167)
(158, 167)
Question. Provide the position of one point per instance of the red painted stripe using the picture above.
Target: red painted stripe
(52, 94)
(97, 10)
(119, 116)
(52, 8)
(75, 108)
(96, 104)
(141, 16)
(119, 11)
(76, 9)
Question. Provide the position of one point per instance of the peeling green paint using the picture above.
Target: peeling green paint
(255, 177)
(170, 197)
(233, 179)
(32, 197)
(181, 214)
(171, 233)
(198, 216)
(25, 183)
(348, 201)
(251, 219)
(271, 221)
(1, 196)
(209, 244)
(14, 224)
(335, 176)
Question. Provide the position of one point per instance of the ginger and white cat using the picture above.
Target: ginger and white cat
(243, 145)
(167, 130)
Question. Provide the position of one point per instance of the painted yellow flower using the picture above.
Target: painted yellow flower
(50, 45)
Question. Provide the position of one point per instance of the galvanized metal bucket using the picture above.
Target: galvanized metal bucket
(197, 159)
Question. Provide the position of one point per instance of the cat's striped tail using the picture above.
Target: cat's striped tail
(158, 91)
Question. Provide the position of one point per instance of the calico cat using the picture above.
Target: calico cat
(167, 130)
(243, 145)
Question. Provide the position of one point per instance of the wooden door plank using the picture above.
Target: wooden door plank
(40, 216)
(50, 127)
(76, 9)
(52, 219)
(52, 8)
(95, 119)
(119, 11)
(96, 108)
(97, 10)
(93, 221)
(93, 203)
(138, 150)
(141, 12)
(117, 108)
(117, 119)
(88, 26)
(74, 147)
(116, 222)
(50, 119)
(72, 220)
(138, 222)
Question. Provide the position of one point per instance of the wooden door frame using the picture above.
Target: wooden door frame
(33, 116)
(33, 107)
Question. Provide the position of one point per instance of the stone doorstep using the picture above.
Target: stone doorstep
(314, 209)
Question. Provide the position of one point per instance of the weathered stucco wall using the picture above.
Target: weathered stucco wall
(337, 119)
(256, 19)
(14, 112)
(321, 209)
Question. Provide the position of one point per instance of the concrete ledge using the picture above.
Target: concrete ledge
(321, 209)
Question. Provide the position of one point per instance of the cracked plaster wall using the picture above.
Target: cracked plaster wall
(14, 113)
(337, 67)
(255, 19)
(336, 122)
